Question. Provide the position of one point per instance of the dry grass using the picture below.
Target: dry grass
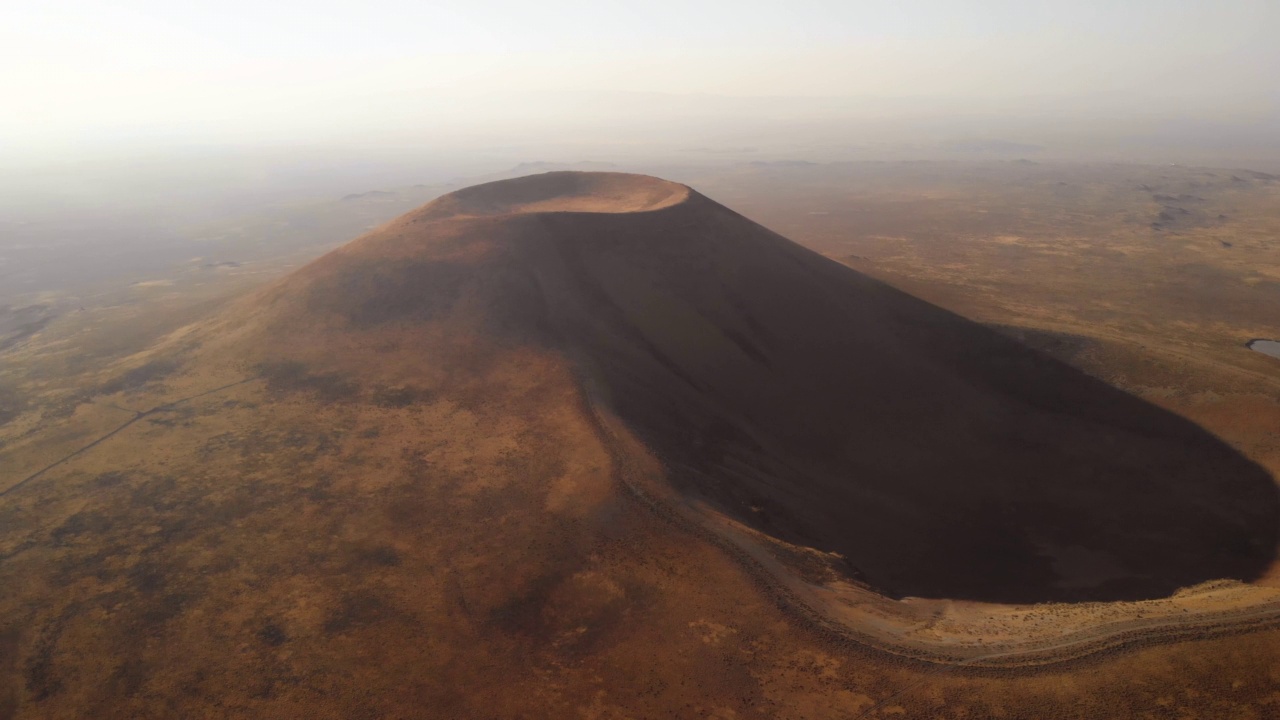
(414, 516)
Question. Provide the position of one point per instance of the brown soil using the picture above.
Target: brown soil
(593, 445)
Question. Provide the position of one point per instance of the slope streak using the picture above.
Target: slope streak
(939, 458)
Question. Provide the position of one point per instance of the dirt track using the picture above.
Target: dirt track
(137, 415)
(782, 585)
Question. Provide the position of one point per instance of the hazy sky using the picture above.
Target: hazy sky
(98, 71)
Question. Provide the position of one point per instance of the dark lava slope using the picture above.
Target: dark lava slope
(940, 458)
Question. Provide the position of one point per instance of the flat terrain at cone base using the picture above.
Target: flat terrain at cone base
(595, 445)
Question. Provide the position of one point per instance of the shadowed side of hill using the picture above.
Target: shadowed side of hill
(940, 458)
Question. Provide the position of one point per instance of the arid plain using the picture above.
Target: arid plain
(514, 455)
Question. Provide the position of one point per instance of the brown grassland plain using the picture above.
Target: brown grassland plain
(447, 532)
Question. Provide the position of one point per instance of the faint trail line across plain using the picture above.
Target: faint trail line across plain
(137, 415)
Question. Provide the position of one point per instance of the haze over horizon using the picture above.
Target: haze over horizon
(138, 75)
(766, 361)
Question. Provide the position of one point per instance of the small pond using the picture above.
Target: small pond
(1267, 347)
